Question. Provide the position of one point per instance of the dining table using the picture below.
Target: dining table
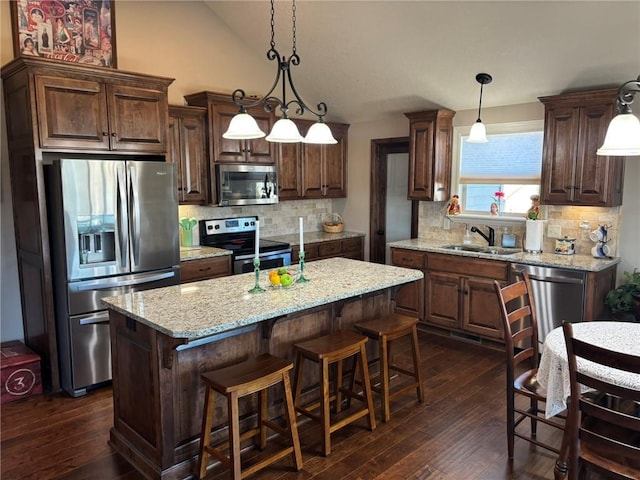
(553, 370)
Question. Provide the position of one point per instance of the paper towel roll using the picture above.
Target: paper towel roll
(534, 232)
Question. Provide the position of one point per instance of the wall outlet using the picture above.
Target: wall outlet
(554, 231)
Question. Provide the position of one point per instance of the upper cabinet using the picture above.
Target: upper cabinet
(100, 110)
(430, 142)
(187, 149)
(221, 110)
(572, 173)
(313, 171)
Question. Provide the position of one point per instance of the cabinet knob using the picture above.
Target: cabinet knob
(105, 134)
(380, 232)
(114, 134)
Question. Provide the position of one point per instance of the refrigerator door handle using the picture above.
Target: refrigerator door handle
(135, 214)
(108, 283)
(122, 216)
(101, 317)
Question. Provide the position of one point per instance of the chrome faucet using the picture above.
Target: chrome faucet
(491, 239)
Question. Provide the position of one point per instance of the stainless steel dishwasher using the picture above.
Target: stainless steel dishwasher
(558, 294)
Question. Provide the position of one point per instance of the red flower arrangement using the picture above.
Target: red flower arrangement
(498, 196)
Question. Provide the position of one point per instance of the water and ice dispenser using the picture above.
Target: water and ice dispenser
(96, 239)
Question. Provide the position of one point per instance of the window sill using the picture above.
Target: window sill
(491, 220)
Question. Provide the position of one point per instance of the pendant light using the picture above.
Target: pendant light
(623, 134)
(244, 126)
(478, 133)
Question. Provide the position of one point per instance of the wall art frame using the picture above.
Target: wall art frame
(79, 31)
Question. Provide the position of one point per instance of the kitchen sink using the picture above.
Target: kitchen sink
(487, 250)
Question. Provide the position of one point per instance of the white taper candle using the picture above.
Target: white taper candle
(257, 238)
(301, 235)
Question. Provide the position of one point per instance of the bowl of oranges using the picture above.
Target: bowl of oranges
(281, 278)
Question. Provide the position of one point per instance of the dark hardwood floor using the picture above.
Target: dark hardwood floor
(458, 433)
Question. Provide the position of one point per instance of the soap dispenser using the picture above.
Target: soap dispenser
(467, 240)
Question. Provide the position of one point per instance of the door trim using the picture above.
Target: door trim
(380, 149)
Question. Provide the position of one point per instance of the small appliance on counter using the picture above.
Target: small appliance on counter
(534, 230)
(565, 246)
(508, 240)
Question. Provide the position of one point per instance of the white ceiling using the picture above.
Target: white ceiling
(370, 59)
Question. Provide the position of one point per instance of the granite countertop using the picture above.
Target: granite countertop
(208, 307)
(199, 252)
(315, 237)
(572, 262)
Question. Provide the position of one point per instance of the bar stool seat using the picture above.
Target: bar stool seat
(235, 381)
(384, 330)
(326, 350)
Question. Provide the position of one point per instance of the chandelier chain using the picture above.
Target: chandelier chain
(293, 28)
(273, 12)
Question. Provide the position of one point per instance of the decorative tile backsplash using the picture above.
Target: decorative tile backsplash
(568, 218)
(278, 219)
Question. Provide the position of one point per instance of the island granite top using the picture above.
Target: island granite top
(208, 307)
(585, 263)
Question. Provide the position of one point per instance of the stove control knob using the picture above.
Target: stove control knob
(246, 224)
(217, 227)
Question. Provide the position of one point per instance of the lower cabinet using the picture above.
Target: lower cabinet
(457, 292)
(346, 247)
(205, 268)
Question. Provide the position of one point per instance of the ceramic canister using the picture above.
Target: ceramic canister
(565, 246)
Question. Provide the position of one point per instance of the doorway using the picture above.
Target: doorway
(392, 216)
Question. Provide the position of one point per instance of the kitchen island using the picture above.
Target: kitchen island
(162, 339)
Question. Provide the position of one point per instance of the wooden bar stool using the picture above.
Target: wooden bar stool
(384, 330)
(326, 350)
(251, 376)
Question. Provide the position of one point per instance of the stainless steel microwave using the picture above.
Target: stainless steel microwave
(246, 184)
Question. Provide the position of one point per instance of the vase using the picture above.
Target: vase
(186, 237)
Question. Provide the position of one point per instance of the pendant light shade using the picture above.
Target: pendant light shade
(478, 133)
(243, 126)
(284, 131)
(623, 134)
(319, 133)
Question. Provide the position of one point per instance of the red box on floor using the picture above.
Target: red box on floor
(20, 371)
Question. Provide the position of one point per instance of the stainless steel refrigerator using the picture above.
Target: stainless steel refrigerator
(113, 229)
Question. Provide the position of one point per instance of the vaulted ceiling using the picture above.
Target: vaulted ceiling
(370, 59)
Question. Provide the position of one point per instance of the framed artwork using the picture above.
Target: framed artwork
(81, 31)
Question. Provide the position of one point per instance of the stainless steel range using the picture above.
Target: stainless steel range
(238, 235)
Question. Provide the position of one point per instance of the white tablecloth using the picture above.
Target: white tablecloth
(553, 371)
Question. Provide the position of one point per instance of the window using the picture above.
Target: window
(510, 163)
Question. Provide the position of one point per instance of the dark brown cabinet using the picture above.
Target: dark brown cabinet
(572, 173)
(430, 144)
(187, 149)
(409, 299)
(205, 268)
(100, 113)
(313, 171)
(460, 295)
(347, 247)
(65, 107)
(324, 167)
(220, 111)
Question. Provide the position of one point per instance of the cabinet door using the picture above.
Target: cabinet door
(193, 160)
(259, 150)
(421, 159)
(289, 171)
(335, 164)
(173, 152)
(312, 181)
(442, 294)
(559, 153)
(206, 268)
(481, 308)
(72, 113)
(594, 174)
(138, 119)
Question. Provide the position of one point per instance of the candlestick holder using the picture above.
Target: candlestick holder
(256, 269)
(301, 278)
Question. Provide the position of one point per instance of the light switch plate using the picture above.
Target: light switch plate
(554, 231)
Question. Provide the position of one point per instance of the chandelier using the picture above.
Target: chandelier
(623, 134)
(243, 126)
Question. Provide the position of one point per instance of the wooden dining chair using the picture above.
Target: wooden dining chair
(604, 428)
(520, 328)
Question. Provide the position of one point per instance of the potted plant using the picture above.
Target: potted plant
(625, 299)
